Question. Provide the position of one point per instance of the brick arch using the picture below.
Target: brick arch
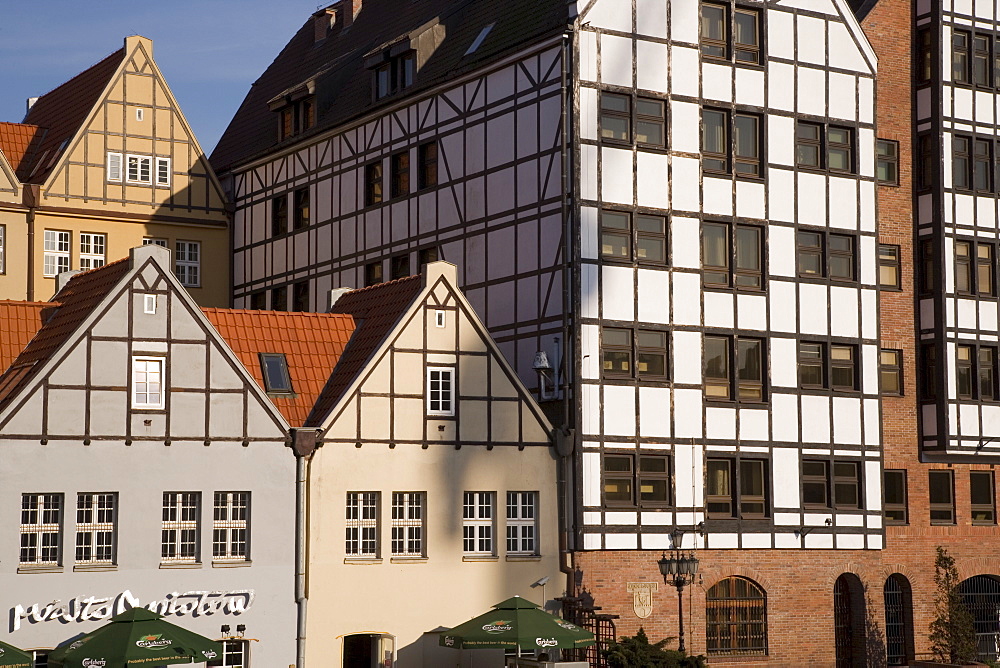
(891, 569)
(757, 577)
(978, 566)
(855, 569)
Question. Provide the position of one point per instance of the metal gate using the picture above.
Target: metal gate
(896, 614)
(601, 625)
(981, 595)
(843, 623)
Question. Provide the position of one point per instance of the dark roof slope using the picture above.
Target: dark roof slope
(861, 8)
(61, 112)
(376, 311)
(343, 85)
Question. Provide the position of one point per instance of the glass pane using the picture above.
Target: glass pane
(839, 159)
(618, 464)
(714, 247)
(940, 486)
(649, 224)
(842, 267)
(809, 239)
(718, 483)
(713, 22)
(648, 339)
(885, 148)
(811, 350)
(963, 380)
(807, 154)
(749, 360)
(614, 245)
(841, 243)
(653, 464)
(845, 494)
(647, 132)
(618, 490)
(752, 478)
(714, 139)
(841, 353)
(653, 490)
(964, 353)
(611, 102)
(842, 378)
(814, 469)
(716, 358)
(652, 364)
(748, 248)
(745, 28)
(649, 108)
(617, 362)
(617, 337)
(650, 249)
(746, 136)
(981, 487)
(888, 277)
(614, 127)
(890, 381)
(814, 493)
(614, 220)
(894, 487)
(807, 131)
(839, 136)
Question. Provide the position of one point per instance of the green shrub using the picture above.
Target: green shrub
(637, 652)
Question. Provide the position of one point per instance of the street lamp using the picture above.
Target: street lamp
(682, 568)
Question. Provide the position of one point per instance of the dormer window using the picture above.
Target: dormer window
(393, 73)
(274, 368)
(297, 117)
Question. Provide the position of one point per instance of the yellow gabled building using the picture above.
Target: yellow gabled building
(103, 163)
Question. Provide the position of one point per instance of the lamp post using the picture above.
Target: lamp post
(681, 568)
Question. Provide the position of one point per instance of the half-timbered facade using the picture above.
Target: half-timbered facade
(103, 163)
(133, 442)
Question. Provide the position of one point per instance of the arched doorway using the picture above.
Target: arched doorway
(849, 621)
(981, 595)
(898, 620)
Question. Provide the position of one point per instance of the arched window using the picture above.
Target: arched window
(848, 620)
(736, 617)
(898, 620)
(981, 595)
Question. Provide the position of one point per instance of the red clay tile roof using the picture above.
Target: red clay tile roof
(19, 322)
(76, 300)
(311, 342)
(62, 111)
(16, 140)
(376, 310)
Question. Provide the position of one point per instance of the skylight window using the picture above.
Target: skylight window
(275, 370)
(479, 38)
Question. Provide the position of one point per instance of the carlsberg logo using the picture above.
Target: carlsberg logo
(97, 663)
(546, 642)
(153, 642)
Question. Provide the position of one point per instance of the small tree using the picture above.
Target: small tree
(952, 633)
(637, 652)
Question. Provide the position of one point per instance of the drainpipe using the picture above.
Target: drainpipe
(303, 444)
(29, 197)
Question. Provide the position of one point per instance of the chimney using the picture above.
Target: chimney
(336, 294)
(323, 22)
(63, 278)
(31, 103)
(348, 12)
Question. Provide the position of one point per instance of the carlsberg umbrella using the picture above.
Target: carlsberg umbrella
(136, 637)
(12, 657)
(516, 623)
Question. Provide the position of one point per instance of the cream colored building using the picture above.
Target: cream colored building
(432, 492)
(102, 163)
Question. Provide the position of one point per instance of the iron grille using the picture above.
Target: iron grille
(981, 595)
(842, 623)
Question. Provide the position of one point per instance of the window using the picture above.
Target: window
(235, 654)
(400, 163)
(55, 259)
(652, 480)
(150, 241)
(300, 296)
(476, 43)
(987, 373)
(95, 528)
(618, 125)
(373, 183)
(819, 488)
(719, 380)
(296, 117)
(815, 369)
(942, 496)
(427, 255)
(362, 524)
(891, 371)
(982, 165)
(258, 300)
(926, 266)
(279, 299)
(41, 527)
(114, 171)
(427, 168)
(961, 162)
(149, 304)
(732, 256)
(736, 618)
(974, 276)
(147, 382)
(926, 165)
(976, 372)
(846, 485)
(718, 42)
(187, 263)
(440, 391)
(889, 267)
(400, 266)
(812, 138)
(138, 168)
(895, 507)
(982, 492)
(737, 488)
(231, 527)
(179, 533)
(620, 346)
(820, 254)
(719, 154)
(163, 172)
(274, 368)
(41, 657)
(928, 355)
(616, 117)
(279, 215)
(301, 214)
(92, 250)
(960, 56)
(887, 162)
(408, 524)
(477, 523)
(522, 518)
(648, 232)
(373, 273)
(981, 60)
(650, 118)
(395, 74)
(925, 57)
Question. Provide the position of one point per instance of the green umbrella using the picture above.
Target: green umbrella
(136, 637)
(12, 657)
(516, 623)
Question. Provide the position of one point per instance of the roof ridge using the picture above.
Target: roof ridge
(23, 302)
(78, 75)
(87, 272)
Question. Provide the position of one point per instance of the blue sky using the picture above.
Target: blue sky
(210, 51)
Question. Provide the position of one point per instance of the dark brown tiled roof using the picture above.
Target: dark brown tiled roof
(343, 85)
(76, 300)
(16, 141)
(376, 311)
(311, 342)
(19, 322)
(61, 112)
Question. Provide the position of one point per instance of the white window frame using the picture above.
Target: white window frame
(163, 163)
(522, 523)
(155, 241)
(441, 400)
(140, 160)
(139, 115)
(188, 271)
(235, 654)
(439, 319)
(479, 524)
(408, 513)
(55, 258)
(41, 529)
(362, 533)
(93, 250)
(114, 169)
(141, 365)
(231, 526)
(149, 304)
(96, 522)
(179, 537)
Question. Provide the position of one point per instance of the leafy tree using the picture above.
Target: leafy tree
(637, 652)
(952, 633)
